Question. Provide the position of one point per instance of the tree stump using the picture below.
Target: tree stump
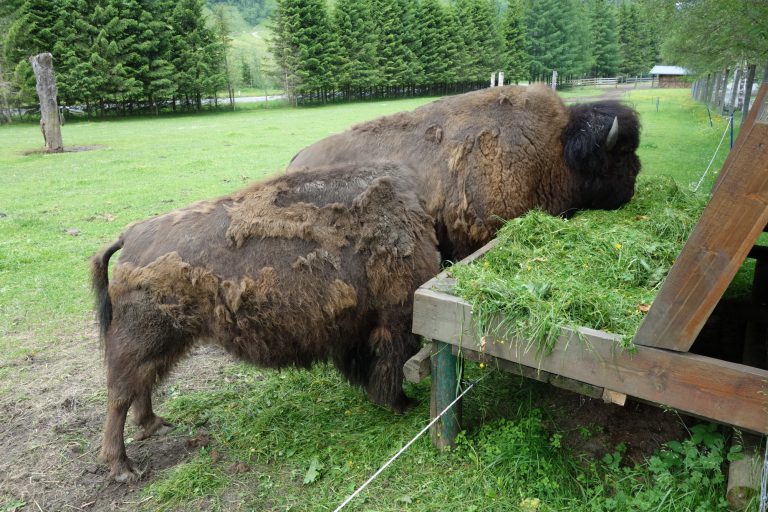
(50, 125)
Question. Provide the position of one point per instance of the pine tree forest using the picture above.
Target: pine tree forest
(145, 55)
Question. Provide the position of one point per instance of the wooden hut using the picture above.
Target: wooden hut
(669, 76)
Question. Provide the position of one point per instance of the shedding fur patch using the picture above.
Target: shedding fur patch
(254, 214)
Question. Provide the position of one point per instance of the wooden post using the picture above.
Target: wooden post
(744, 474)
(42, 65)
(554, 80)
(501, 78)
(445, 380)
(493, 79)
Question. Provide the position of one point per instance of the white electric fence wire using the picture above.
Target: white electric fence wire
(764, 481)
(408, 445)
(698, 184)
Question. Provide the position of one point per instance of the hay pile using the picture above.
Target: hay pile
(600, 269)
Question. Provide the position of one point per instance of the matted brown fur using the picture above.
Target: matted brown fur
(315, 266)
(494, 154)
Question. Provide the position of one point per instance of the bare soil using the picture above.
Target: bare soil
(67, 149)
(52, 405)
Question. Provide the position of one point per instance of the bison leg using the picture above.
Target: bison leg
(139, 351)
(145, 417)
(113, 446)
(393, 345)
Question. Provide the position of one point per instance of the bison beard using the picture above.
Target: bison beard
(494, 154)
(307, 267)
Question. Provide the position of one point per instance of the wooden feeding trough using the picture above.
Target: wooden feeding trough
(661, 370)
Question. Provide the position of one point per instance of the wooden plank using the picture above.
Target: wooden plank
(502, 364)
(725, 392)
(418, 368)
(729, 227)
(762, 93)
(614, 397)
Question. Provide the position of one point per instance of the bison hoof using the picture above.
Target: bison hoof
(125, 473)
(404, 404)
(157, 426)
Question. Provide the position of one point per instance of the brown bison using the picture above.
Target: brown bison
(494, 154)
(313, 266)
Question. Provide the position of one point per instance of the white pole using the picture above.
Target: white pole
(501, 78)
(493, 79)
(554, 80)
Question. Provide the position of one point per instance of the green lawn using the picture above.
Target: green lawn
(307, 437)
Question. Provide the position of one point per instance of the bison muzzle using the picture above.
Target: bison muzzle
(491, 155)
(313, 266)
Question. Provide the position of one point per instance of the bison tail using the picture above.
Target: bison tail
(100, 285)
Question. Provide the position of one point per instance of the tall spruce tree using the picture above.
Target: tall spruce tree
(633, 62)
(398, 64)
(516, 61)
(156, 73)
(196, 54)
(439, 44)
(605, 38)
(357, 62)
(304, 47)
(481, 36)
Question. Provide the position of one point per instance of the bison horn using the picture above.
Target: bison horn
(613, 134)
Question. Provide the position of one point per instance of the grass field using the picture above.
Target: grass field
(301, 440)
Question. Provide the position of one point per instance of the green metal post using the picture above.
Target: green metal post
(445, 380)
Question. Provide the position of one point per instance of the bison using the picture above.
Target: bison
(311, 266)
(494, 154)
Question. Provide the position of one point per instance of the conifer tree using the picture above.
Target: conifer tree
(438, 44)
(357, 63)
(397, 63)
(196, 54)
(156, 73)
(631, 41)
(516, 62)
(557, 38)
(605, 38)
(481, 37)
(304, 47)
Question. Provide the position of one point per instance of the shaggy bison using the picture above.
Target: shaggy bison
(313, 266)
(494, 154)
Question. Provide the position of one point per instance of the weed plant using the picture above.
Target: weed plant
(599, 269)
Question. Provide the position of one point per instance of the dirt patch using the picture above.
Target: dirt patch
(53, 409)
(592, 428)
(67, 149)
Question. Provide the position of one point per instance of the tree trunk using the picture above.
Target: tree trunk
(735, 89)
(5, 111)
(42, 65)
(708, 88)
(723, 89)
(748, 92)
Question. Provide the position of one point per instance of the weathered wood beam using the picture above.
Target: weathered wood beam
(725, 392)
(727, 230)
(418, 368)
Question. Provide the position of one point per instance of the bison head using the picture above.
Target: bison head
(599, 144)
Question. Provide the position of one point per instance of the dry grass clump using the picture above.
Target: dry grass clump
(600, 269)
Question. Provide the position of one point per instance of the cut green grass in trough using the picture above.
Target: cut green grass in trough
(600, 269)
